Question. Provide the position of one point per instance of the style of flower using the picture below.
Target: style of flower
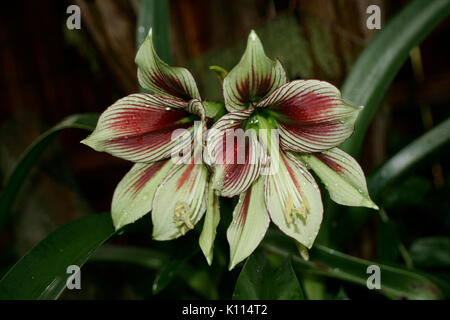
(142, 128)
(311, 119)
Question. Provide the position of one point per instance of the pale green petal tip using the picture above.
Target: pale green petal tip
(208, 255)
(372, 205)
(253, 40)
(232, 265)
(92, 142)
(253, 36)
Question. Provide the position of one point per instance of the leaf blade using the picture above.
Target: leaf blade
(41, 273)
(380, 61)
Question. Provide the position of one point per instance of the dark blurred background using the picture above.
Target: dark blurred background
(49, 72)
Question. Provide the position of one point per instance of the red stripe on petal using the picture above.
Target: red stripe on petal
(185, 176)
(172, 85)
(290, 170)
(329, 161)
(134, 121)
(244, 209)
(146, 175)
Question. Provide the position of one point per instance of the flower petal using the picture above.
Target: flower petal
(249, 225)
(155, 75)
(212, 219)
(253, 78)
(342, 176)
(311, 114)
(133, 196)
(180, 201)
(237, 155)
(140, 128)
(293, 199)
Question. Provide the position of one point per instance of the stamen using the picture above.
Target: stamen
(288, 205)
(290, 211)
(181, 217)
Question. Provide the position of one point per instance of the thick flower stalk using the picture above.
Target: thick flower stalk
(152, 130)
(306, 120)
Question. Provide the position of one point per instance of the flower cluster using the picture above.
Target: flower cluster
(270, 134)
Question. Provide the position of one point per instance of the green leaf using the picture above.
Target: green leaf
(169, 271)
(30, 156)
(432, 252)
(197, 279)
(409, 157)
(42, 272)
(396, 283)
(154, 14)
(382, 58)
(214, 110)
(259, 280)
(388, 241)
(220, 72)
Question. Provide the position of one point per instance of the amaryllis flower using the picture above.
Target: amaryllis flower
(142, 128)
(311, 119)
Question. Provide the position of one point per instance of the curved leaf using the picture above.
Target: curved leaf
(410, 156)
(259, 280)
(42, 272)
(29, 157)
(396, 283)
(380, 61)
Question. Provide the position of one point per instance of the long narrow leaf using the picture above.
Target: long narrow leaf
(409, 157)
(155, 14)
(380, 61)
(42, 272)
(198, 280)
(396, 283)
(403, 161)
(30, 156)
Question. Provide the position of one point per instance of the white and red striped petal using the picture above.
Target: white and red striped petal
(293, 199)
(155, 75)
(253, 78)
(249, 224)
(236, 154)
(133, 196)
(342, 176)
(311, 114)
(180, 201)
(140, 128)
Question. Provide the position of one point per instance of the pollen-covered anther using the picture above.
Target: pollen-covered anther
(181, 217)
(291, 212)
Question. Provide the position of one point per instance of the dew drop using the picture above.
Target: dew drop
(168, 108)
